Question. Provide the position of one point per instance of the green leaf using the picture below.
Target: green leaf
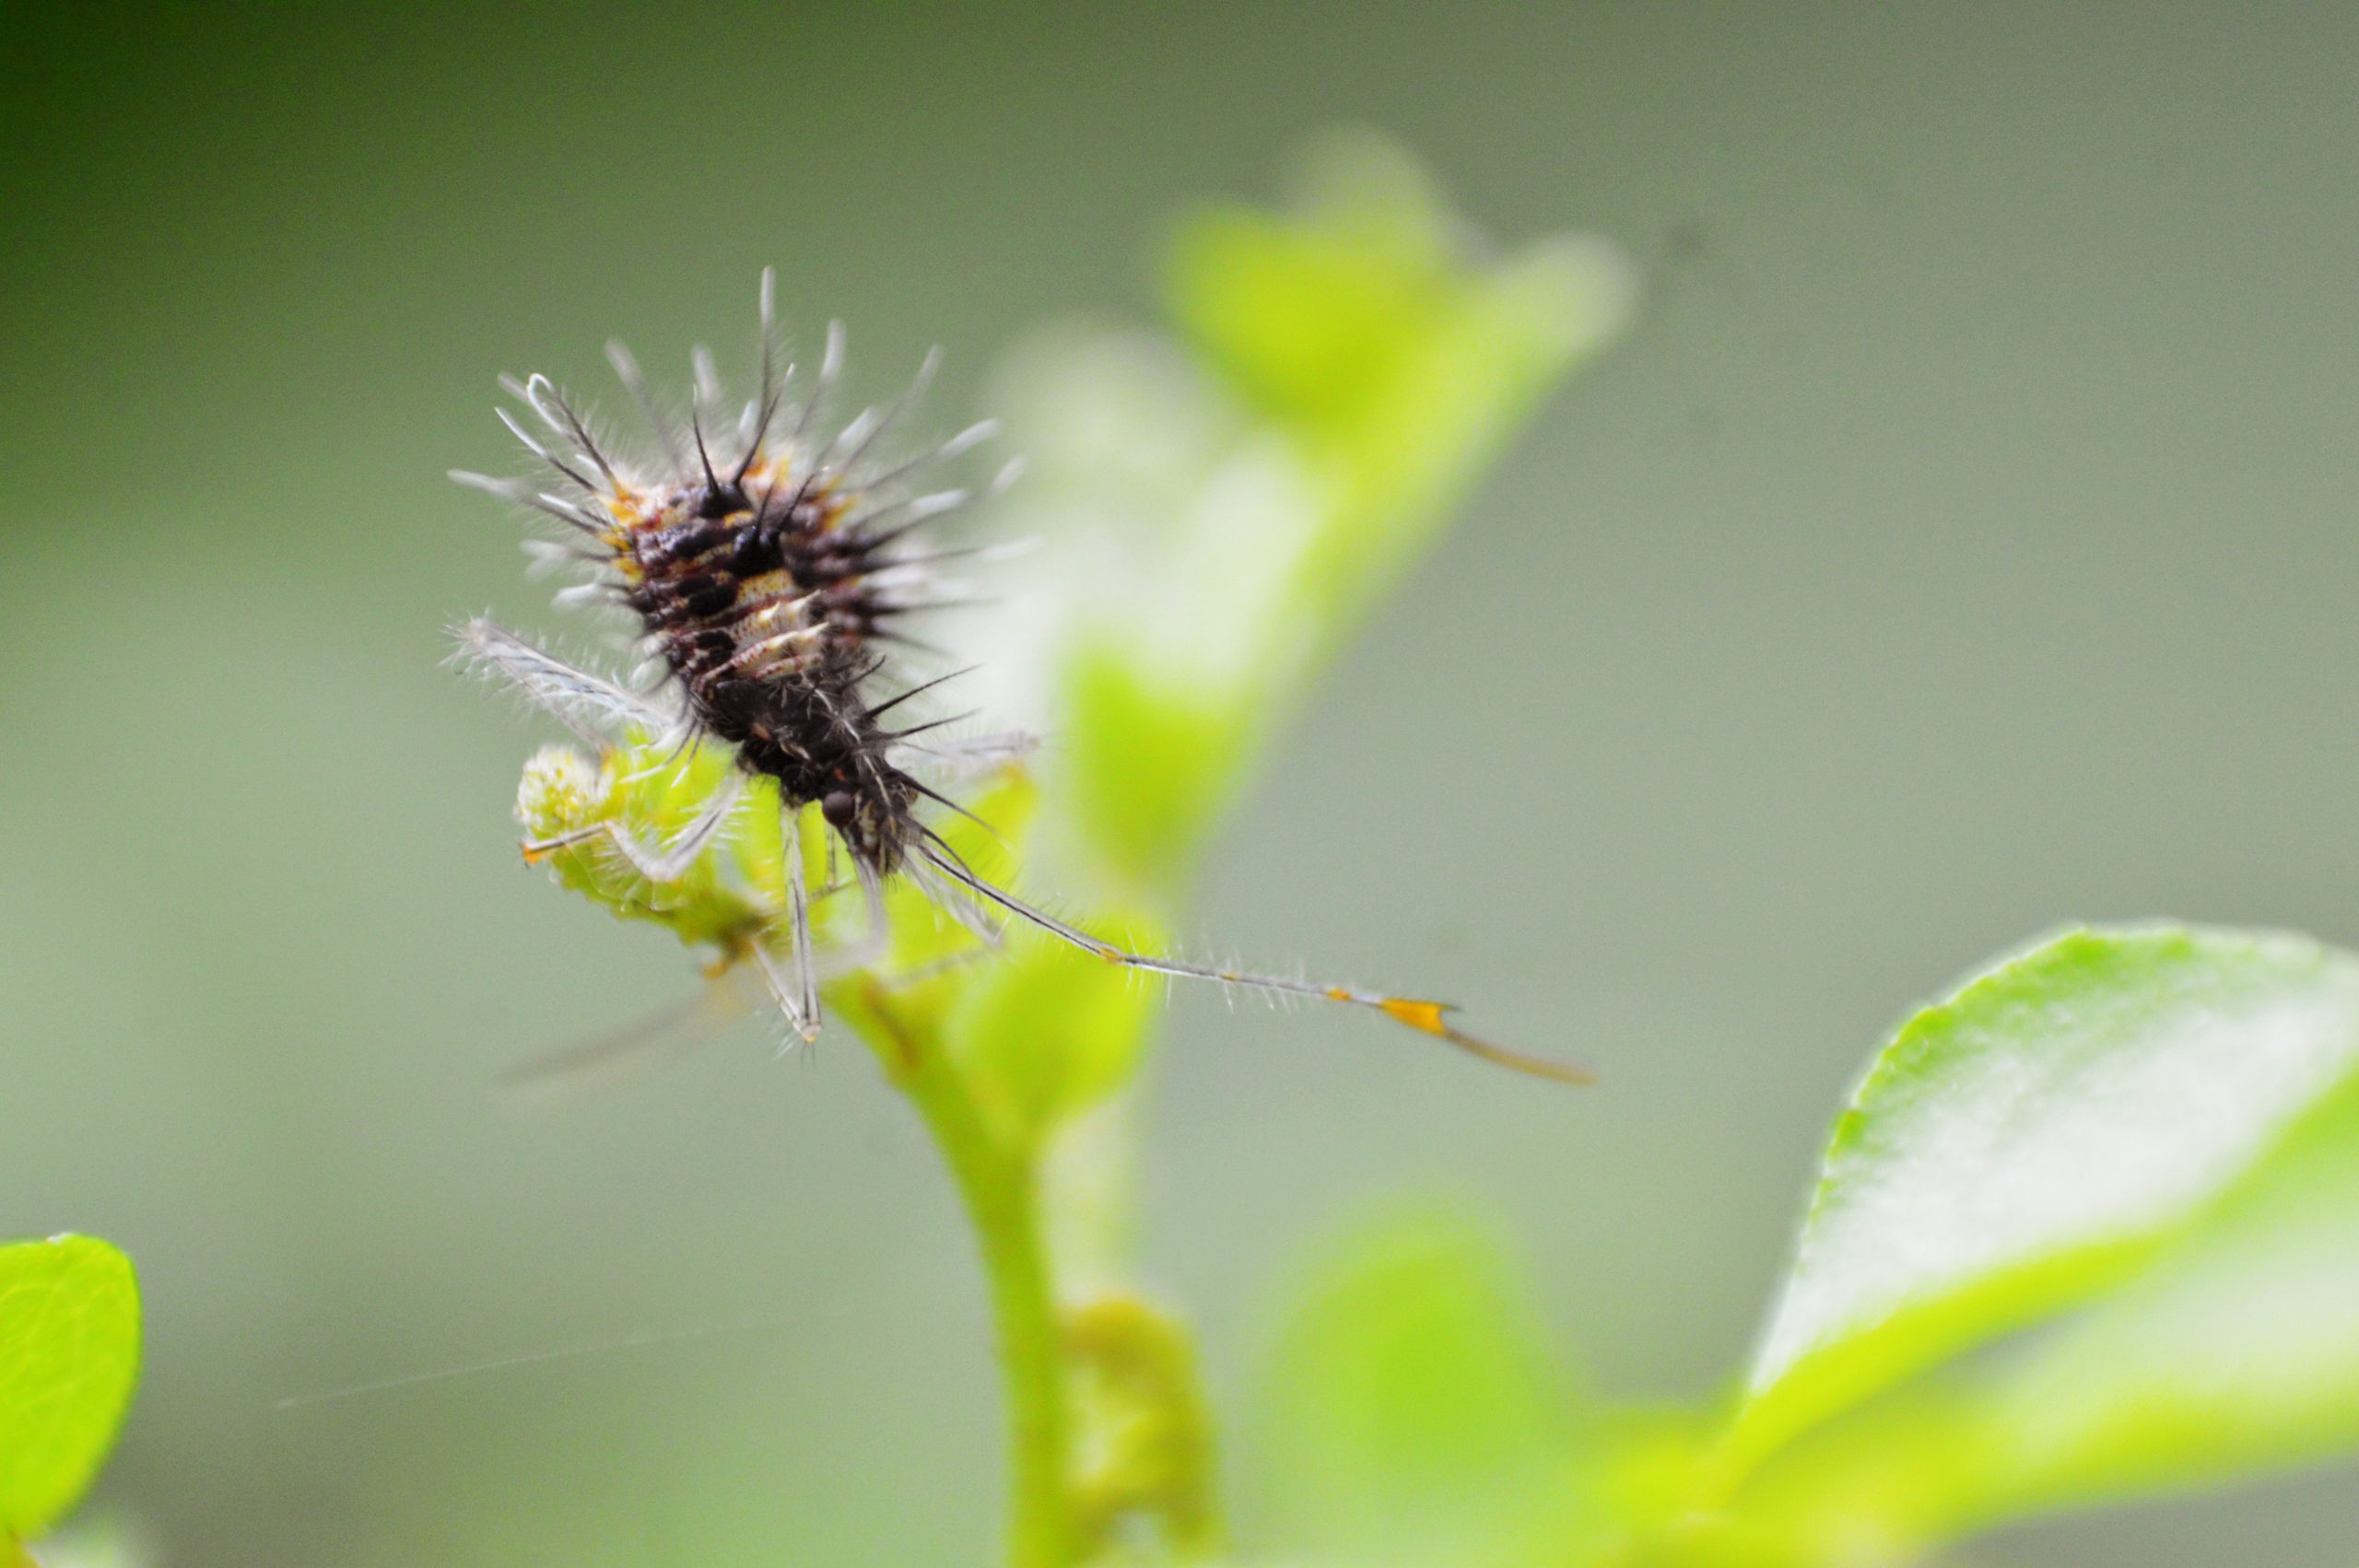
(1045, 1031)
(2237, 1352)
(1149, 755)
(1354, 360)
(69, 1355)
(1414, 1388)
(2038, 1138)
(1390, 356)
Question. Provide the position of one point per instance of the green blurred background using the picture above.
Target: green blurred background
(1960, 543)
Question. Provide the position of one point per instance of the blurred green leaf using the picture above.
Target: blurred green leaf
(1413, 1391)
(1147, 755)
(1141, 1396)
(103, 1543)
(1044, 1031)
(1356, 358)
(2235, 1350)
(2238, 1351)
(1375, 334)
(69, 1355)
(2039, 1136)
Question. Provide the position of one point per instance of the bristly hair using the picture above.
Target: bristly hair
(767, 572)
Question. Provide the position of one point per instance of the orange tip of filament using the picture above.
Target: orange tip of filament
(1426, 1015)
(1429, 1017)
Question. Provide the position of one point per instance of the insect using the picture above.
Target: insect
(766, 568)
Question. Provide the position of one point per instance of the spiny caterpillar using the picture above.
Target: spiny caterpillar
(768, 584)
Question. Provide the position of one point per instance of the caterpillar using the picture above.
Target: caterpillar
(768, 583)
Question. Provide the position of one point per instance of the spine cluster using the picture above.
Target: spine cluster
(768, 584)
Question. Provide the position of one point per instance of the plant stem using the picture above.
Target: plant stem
(1042, 1531)
(1000, 1187)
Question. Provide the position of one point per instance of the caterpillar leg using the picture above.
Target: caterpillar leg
(585, 1068)
(873, 941)
(660, 865)
(794, 983)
